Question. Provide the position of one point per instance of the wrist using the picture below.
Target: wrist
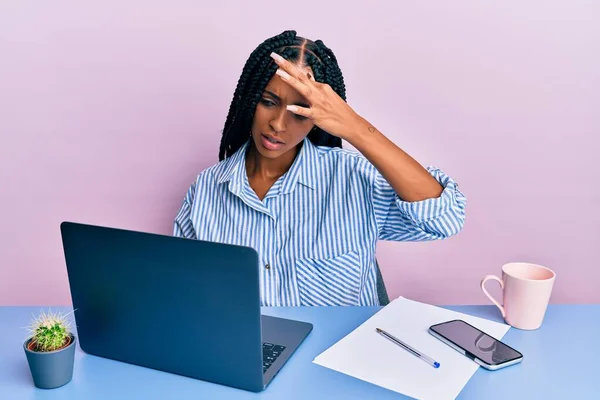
(360, 130)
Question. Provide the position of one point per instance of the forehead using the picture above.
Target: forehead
(283, 90)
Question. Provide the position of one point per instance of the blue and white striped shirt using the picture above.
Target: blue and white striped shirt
(317, 227)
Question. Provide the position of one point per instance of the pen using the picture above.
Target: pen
(415, 352)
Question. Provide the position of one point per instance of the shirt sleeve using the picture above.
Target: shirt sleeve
(430, 219)
(182, 226)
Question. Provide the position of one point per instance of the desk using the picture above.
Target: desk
(561, 362)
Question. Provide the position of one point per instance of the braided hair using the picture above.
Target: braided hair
(257, 72)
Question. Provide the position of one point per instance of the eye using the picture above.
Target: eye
(266, 102)
(300, 117)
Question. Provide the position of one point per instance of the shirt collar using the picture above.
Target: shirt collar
(304, 169)
(234, 166)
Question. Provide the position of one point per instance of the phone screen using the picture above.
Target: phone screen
(476, 342)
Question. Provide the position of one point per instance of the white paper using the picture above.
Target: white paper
(367, 355)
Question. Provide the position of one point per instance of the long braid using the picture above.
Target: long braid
(257, 72)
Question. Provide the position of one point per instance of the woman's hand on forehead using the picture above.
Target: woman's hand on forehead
(326, 108)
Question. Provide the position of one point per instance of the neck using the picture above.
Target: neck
(259, 166)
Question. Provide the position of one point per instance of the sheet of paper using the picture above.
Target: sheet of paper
(366, 355)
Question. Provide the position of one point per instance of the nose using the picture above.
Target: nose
(278, 123)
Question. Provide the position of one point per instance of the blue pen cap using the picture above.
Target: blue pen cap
(436, 364)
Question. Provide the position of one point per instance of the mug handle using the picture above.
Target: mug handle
(493, 277)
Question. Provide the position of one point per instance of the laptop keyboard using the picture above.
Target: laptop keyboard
(270, 353)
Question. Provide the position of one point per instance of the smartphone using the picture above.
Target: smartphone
(486, 351)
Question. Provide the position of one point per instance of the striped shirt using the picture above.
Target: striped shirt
(316, 229)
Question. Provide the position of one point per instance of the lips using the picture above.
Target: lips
(269, 145)
(273, 139)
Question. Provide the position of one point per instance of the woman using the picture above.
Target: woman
(312, 210)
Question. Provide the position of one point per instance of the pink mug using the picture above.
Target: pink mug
(526, 292)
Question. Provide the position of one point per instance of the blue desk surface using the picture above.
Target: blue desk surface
(561, 362)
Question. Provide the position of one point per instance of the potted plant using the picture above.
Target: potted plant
(50, 350)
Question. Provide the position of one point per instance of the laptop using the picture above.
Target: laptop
(188, 307)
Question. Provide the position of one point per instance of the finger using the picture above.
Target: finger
(285, 64)
(305, 112)
(291, 69)
(295, 83)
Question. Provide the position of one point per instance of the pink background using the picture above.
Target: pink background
(108, 110)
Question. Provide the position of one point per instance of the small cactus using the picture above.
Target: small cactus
(49, 332)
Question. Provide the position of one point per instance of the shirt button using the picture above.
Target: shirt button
(267, 266)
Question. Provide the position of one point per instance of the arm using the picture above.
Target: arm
(429, 219)
(409, 179)
(411, 203)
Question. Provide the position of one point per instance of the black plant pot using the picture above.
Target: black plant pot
(51, 369)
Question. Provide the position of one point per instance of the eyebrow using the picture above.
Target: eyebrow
(279, 99)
